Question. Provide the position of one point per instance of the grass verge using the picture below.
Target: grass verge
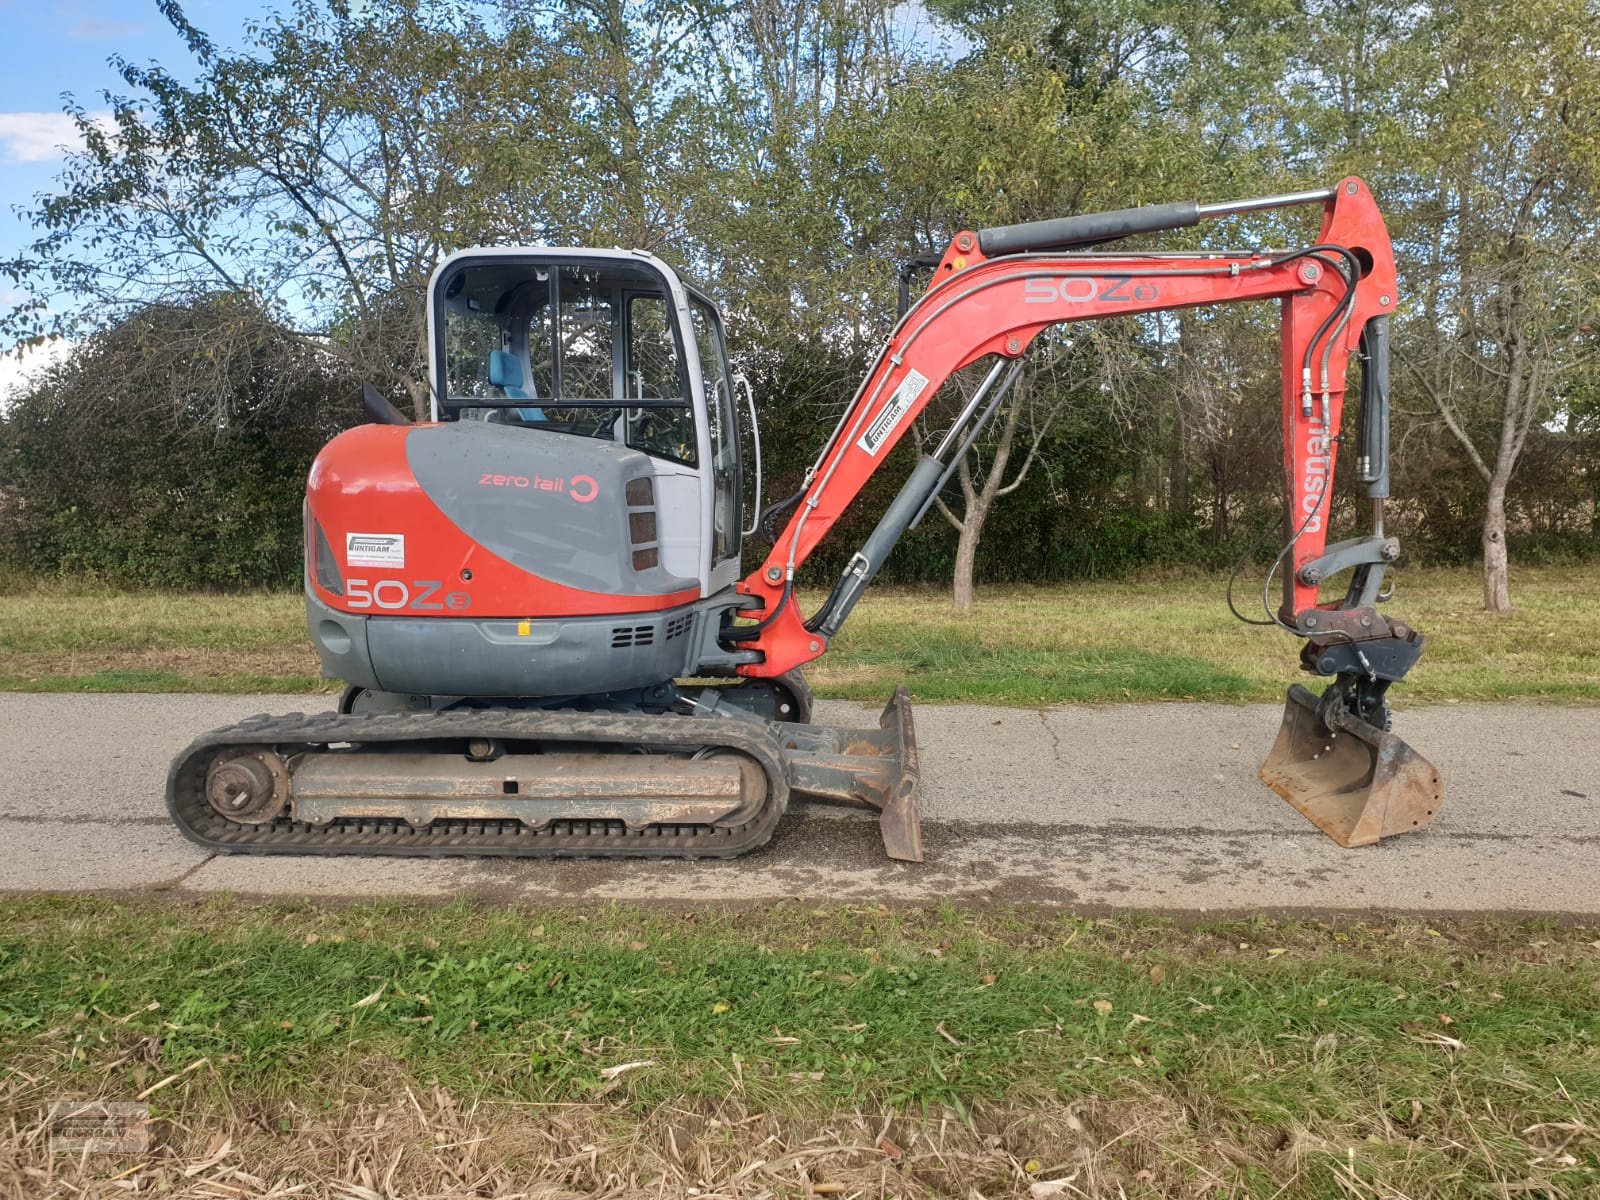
(1155, 639)
(413, 1051)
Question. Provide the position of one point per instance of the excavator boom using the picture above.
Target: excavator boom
(994, 291)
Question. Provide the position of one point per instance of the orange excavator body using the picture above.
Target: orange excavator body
(519, 592)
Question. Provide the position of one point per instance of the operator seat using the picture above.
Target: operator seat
(505, 373)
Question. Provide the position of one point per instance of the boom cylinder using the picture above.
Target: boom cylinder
(916, 496)
(925, 477)
(1060, 232)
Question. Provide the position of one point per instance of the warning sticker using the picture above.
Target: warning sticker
(899, 404)
(375, 549)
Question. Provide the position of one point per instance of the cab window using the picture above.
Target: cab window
(653, 374)
(596, 343)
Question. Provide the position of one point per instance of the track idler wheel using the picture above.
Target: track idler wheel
(249, 785)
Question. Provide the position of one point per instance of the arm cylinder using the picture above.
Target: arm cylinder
(1372, 444)
(1090, 227)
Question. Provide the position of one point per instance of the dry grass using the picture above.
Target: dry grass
(427, 1143)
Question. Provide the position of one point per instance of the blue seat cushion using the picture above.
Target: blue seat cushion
(505, 373)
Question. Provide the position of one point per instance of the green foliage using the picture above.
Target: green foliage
(120, 466)
(787, 156)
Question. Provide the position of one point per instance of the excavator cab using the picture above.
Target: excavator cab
(610, 347)
(570, 522)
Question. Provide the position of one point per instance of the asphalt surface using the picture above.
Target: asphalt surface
(1139, 806)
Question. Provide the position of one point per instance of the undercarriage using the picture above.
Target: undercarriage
(536, 782)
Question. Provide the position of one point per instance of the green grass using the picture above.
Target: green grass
(1451, 1057)
(1173, 638)
(1158, 638)
(75, 639)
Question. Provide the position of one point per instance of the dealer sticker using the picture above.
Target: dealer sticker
(375, 549)
(899, 404)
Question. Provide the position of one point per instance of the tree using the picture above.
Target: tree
(1035, 402)
(1513, 125)
(121, 463)
(1069, 107)
(328, 167)
(788, 156)
(1482, 127)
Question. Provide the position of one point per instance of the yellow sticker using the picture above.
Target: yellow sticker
(524, 628)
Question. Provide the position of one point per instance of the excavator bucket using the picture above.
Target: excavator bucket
(1356, 782)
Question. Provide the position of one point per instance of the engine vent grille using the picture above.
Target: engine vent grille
(678, 626)
(623, 636)
(641, 527)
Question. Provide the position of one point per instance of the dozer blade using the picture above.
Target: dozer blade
(1355, 782)
(864, 768)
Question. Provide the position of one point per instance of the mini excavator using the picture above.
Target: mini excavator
(536, 600)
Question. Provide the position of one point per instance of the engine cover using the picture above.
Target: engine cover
(472, 520)
(477, 559)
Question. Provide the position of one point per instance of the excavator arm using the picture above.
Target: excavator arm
(993, 292)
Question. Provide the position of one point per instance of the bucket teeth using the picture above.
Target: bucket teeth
(1355, 782)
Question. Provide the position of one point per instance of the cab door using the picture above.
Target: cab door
(727, 515)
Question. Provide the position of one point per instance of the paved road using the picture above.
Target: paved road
(1134, 806)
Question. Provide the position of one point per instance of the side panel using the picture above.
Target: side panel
(678, 511)
(557, 529)
(562, 656)
(551, 503)
(577, 656)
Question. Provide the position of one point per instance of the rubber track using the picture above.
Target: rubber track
(299, 733)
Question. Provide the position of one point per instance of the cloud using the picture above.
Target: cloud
(36, 137)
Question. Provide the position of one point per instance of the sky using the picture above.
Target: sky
(49, 48)
(53, 48)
